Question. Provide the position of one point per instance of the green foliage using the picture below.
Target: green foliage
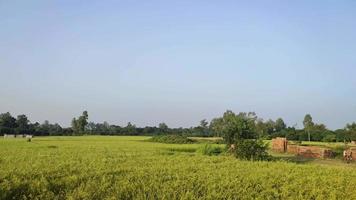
(329, 138)
(209, 149)
(78, 125)
(7, 123)
(280, 125)
(235, 127)
(351, 132)
(339, 150)
(241, 130)
(171, 139)
(101, 167)
(251, 150)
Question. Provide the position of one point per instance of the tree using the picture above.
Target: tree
(261, 129)
(236, 127)
(22, 124)
(351, 132)
(308, 124)
(252, 150)
(239, 133)
(204, 124)
(280, 125)
(216, 125)
(270, 126)
(163, 127)
(74, 124)
(7, 123)
(203, 128)
(78, 125)
(130, 129)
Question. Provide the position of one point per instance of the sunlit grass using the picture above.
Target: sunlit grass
(105, 167)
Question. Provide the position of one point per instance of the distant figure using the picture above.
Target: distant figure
(29, 138)
(347, 156)
(232, 148)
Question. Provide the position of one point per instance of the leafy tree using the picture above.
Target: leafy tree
(7, 123)
(239, 132)
(329, 138)
(236, 127)
(163, 127)
(204, 127)
(78, 125)
(261, 129)
(308, 124)
(204, 124)
(251, 150)
(351, 132)
(216, 126)
(22, 124)
(280, 125)
(270, 126)
(130, 129)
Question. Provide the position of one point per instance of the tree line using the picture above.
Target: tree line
(265, 129)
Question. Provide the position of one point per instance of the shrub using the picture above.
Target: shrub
(251, 150)
(329, 138)
(209, 150)
(339, 150)
(171, 139)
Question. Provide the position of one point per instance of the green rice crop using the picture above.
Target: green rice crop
(108, 167)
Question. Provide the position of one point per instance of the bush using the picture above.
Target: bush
(251, 150)
(209, 150)
(329, 138)
(339, 150)
(171, 139)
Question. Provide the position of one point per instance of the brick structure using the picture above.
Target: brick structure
(292, 149)
(314, 152)
(279, 144)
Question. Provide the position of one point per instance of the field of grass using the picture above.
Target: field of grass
(105, 167)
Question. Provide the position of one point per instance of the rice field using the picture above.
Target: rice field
(114, 167)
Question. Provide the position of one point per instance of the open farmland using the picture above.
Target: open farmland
(104, 167)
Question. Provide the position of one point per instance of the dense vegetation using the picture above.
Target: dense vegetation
(171, 139)
(265, 129)
(101, 167)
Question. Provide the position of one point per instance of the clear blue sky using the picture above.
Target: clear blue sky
(178, 61)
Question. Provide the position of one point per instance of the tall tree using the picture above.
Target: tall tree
(130, 129)
(203, 126)
(261, 129)
(351, 131)
(280, 125)
(22, 124)
(308, 124)
(163, 127)
(7, 123)
(78, 125)
(237, 127)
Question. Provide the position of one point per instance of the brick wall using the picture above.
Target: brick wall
(314, 152)
(292, 148)
(279, 144)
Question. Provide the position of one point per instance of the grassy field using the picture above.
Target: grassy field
(104, 167)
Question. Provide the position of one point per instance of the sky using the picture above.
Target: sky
(178, 62)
